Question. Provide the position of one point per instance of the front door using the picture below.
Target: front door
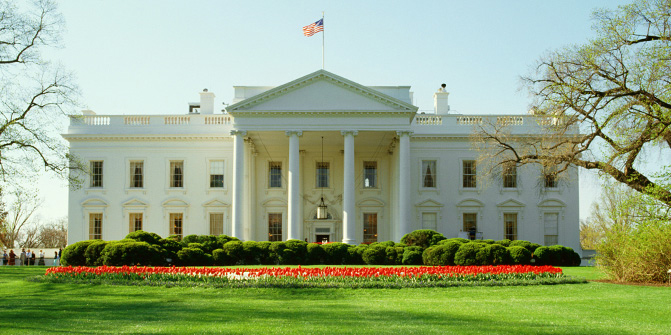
(323, 238)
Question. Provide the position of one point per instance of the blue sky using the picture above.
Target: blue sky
(153, 57)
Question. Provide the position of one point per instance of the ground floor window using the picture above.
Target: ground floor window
(274, 227)
(510, 226)
(135, 222)
(369, 227)
(470, 224)
(551, 223)
(176, 224)
(216, 223)
(430, 221)
(95, 226)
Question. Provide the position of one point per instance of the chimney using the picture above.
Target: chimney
(206, 102)
(440, 105)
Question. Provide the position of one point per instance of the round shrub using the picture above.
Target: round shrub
(220, 257)
(190, 239)
(170, 249)
(412, 256)
(484, 255)
(390, 256)
(490, 241)
(499, 255)
(546, 256)
(504, 242)
(519, 255)
(74, 254)
(194, 257)
(251, 253)
(234, 251)
(143, 236)
(93, 252)
(295, 252)
(525, 244)
(456, 239)
(468, 254)
(223, 239)
(276, 251)
(131, 253)
(316, 253)
(196, 245)
(265, 256)
(422, 238)
(375, 255)
(442, 254)
(356, 254)
(336, 253)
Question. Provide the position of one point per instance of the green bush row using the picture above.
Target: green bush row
(421, 247)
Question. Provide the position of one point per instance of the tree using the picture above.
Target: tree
(54, 234)
(615, 89)
(23, 206)
(33, 92)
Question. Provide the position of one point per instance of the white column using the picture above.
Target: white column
(294, 231)
(404, 207)
(238, 182)
(348, 208)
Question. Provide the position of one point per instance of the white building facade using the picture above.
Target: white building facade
(259, 171)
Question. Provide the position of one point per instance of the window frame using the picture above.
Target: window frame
(172, 219)
(434, 174)
(96, 230)
(374, 235)
(92, 175)
(211, 223)
(375, 175)
(132, 224)
(171, 178)
(132, 175)
(515, 225)
(210, 174)
(435, 221)
(270, 176)
(473, 175)
(509, 181)
(318, 174)
(275, 226)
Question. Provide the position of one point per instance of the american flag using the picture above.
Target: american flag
(314, 28)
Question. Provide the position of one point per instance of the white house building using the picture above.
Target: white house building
(259, 170)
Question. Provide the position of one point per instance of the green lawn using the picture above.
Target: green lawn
(594, 308)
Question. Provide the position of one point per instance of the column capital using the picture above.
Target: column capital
(239, 132)
(404, 132)
(349, 132)
(291, 132)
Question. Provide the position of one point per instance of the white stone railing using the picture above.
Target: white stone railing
(136, 120)
(176, 120)
(427, 120)
(156, 124)
(469, 120)
(462, 124)
(510, 120)
(95, 120)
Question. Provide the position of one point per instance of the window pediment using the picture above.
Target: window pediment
(94, 202)
(551, 203)
(135, 203)
(274, 202)
(216, 203)
(470, 203)
(175, 203)
(370, 202)
(511, 203)
(429, 203)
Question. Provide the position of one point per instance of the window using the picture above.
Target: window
(510, 176)
(176, 224)
(274, 227)
(469, 174)
(429, 174)
(322, 174)
(217, 174)
(551, 223)
(216, 223)
(136, 174)
(550, 177)
(176, 173)
(135, 221)
(95, 226)
(96, 174)
(369, 174)
(470, 225)
(510, 226)
(429, 221)
(369, 227)
(275, 174)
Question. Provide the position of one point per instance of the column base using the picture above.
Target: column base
(346, 241)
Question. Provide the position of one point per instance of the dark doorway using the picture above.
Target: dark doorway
(322, 238)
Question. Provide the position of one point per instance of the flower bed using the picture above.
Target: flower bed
(326, 277)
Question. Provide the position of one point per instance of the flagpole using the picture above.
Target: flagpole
(323, 33)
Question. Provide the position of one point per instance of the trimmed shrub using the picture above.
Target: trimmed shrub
(276, 250)
(223, 239)
(455, 239)
(190, 239)
(484, 255)
(74, 254)
(336, 253)
(375, 255)
(471, 254)
(93, 251)
(422, 238)
(131, 253)
(390, 256)
(519, 255)
(194, 257)
(251, 253)
(525, 244)
(490, 241)
(504, 242)
(356, 254)
(143, 236)
(442, 254)
(500, 255)
(412, 256)
(546, 256)
(295, 252)
(265, 255)
(315, 253)
(196, 245)
(234, 251)
(170, 248)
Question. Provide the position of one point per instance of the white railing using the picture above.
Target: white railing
(469, 120)
(510, 120)
(217, 119)
(136, 120)
(176, 120)
(427, 120)
(94, 120)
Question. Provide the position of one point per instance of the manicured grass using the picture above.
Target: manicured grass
(593, 308)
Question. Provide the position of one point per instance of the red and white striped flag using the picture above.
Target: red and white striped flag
(314, 28)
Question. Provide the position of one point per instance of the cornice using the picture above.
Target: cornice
(131, 137)
(324, 113)
(318, 76)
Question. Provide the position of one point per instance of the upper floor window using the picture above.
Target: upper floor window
(469, 180)
(430, 221)
(136, 174)
(217, 174)
(550, 177)
(275, 174)
(429, 174)
(510, 176)
(95, 226)
(96, 173)
(322, 174)
(176, 173)
(369, 174)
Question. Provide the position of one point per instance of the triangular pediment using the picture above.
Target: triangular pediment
(135, 203)
(321, 91)
(215, 203)
(429, 203)
(175, 203)
(94, 202)
(510, 203)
